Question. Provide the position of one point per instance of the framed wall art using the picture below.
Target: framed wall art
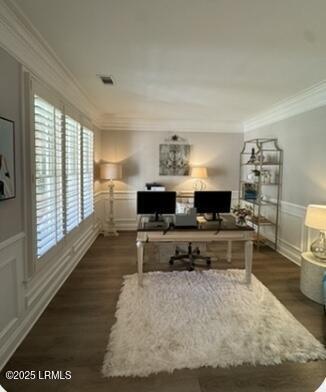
(174, 159)
(7, 159)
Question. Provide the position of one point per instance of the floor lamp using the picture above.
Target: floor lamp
(111, 172)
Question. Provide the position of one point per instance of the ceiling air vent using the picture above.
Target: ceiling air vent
(106, 79)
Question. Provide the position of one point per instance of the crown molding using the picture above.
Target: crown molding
(24, 42)
(308, 99)
(110, 123)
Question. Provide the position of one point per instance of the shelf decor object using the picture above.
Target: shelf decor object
(316, 219)
(111, 172)
(199, 173)
(261, 167)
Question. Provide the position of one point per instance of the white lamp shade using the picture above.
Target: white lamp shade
(110, 171)
(316, 217)
(199, 172)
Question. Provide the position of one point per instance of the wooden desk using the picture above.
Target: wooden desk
(227, 232)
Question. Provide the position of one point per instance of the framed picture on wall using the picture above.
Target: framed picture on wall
(7, 159)
(174, 159)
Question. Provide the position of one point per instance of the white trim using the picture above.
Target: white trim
(308, 99)
(291, 252)
(293, 209)
(39, 293)
(130, 222)
(111, 123)
(24, 42)
(11, 240)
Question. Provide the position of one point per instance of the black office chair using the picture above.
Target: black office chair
(189, 257)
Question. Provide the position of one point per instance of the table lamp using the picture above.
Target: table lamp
(199, 173)
(111, 172)
(316, 219)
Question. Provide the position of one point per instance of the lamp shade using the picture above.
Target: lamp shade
(110, 171)
(316, 217)
(199, 172)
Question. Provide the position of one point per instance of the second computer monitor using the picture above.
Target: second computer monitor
(213, 202)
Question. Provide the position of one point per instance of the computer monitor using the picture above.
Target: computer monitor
(156, 203)
(213, 202)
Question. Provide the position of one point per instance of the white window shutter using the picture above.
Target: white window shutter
(72, 173)
(87, 172)
(48, 175)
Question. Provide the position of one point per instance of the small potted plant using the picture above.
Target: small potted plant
(241, 213)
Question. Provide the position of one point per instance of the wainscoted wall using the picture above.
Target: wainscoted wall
(293, 235)
(25, 291)
(23, 301)
(294, 238)
(125, 207)
(303, 139)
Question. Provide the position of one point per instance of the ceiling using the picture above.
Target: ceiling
(200, 60)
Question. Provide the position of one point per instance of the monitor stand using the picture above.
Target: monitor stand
(216, 217)
(156, 222)
(156, 218)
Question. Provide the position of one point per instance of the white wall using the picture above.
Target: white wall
(11, 211)
(303, 139)
(139, 154)
(138, 151)
(25, 291)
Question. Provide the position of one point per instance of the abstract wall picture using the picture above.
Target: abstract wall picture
(174, 159)
(7, 159)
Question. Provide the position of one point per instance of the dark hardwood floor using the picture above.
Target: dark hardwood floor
(72, 333)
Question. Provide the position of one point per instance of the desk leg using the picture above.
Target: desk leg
(229, 252)
(140, 259)
(248, 260)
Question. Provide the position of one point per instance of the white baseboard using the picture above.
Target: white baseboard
(289, 251)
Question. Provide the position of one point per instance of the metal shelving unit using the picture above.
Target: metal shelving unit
(260, 183)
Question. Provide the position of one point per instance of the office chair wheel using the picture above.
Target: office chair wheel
(191, 269)
(171, 261)
(208, 262)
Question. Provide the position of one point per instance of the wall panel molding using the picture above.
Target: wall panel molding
(294, 238)
(34, 295)
(11, 240)
(11, 286)
(125, 207)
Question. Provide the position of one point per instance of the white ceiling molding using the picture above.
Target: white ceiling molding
(110, 123)
(21, 40)
(311, 98)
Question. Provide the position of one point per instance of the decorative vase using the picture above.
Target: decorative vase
(318, 247)
(240, 221)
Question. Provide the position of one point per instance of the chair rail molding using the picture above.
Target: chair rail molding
(294, 237)
(24, 42)
(125, 214)
(306, 100)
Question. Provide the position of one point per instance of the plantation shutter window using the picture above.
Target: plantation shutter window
(62, 173)
(48, 175)
(87, 172)
(72, 173)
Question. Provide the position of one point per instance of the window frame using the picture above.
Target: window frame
(35, 87)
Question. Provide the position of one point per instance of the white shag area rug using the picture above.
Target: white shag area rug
(209, 318)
